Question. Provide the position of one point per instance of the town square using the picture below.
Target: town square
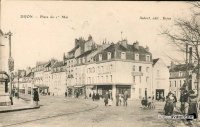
(90, 64)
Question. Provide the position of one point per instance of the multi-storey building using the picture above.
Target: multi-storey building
(115, 67)
(178, 77)
(47, 76)
(58, 81)
(160, 85)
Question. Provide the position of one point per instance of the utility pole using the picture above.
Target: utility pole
(10, 64)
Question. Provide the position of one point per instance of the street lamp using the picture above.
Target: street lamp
(32, 77)
(10, 63)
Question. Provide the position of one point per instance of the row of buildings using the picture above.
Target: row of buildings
(91, 68)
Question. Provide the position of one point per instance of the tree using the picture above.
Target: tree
(186, 33)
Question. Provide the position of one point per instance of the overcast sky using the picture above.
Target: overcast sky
(40, 39)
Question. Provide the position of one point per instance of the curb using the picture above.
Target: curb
(19, 109)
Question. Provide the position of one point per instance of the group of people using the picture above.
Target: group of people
(120, 98)
(188, 101)
(148, 102)
(95, 96)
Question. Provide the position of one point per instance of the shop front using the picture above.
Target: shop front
(122, 88)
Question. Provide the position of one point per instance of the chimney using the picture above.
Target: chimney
(136, 45)
(124, 43)
(190, 55)
(172, 65)
(147, 48)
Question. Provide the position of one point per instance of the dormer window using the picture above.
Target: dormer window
(83, 60)
(100, 57)
(109, 55)
(180, 74)
(147, 57)
(136, 56)
(123, 55)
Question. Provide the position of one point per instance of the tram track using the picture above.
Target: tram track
(49, 117)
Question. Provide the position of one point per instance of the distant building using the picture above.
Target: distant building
(160, 86)
(58, 73)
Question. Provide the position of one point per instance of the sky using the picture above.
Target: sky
(39, 39)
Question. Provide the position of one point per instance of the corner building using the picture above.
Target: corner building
(115, 67)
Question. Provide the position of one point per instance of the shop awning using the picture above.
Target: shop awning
(77, 86)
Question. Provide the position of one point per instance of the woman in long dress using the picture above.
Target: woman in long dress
(110, 98)
(192, 110)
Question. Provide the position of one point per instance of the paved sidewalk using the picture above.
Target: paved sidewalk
(18, 105)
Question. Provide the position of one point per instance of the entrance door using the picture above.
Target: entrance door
(159, 94)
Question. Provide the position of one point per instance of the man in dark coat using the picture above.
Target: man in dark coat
(117, 99)
(36, 97)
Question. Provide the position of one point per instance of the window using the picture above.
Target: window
(110, 78)
(180, 83)
(147, 79)
(93, 69)
(111, 68)
(140, 79)
(133, 68)
(109, 55)
(100, 57)
(123, 55)
(101, 69)
(140, 90)
(174, 83)
(140, 68)
(101, 79)
(180, 74)
(133, 79)
(147, 58)
(83, 59)
(106, 78)
(147, 69)
(158, 73)
(170, 84)
(136, 56)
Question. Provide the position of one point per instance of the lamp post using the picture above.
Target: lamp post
(10, 63)
(32, 83)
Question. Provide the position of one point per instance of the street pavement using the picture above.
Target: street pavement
(58, 111)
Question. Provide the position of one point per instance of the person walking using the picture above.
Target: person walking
(192, 109)
(36, 97)
(65, 93)
(169, 105)
(117, 98)
(110, 98)
(106, 98)
(125, 97)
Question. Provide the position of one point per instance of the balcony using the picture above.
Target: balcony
(137, 74)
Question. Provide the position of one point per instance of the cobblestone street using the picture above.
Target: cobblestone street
(61, 112)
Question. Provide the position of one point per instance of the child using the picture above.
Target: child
(149, 101)
(120, 99)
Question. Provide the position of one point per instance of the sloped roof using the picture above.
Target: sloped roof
(155, 61)
(58, 64)
(181, 67)
(85, 54)
(74, 49)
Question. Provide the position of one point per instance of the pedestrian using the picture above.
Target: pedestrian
(117, 98)
(120, 99)
(169, 105)
(143, 102)
(106, 98)
(97, 96)
(90, 95)
(175, 100)
(110, 98)
(125, 97)
(93, 96)
(192, 110)
(36, 97)
(65, 93)
(149, 101)
(77, 94)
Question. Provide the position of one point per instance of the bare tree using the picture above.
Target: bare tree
(187, 32)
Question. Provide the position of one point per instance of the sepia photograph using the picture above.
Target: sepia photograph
(99, 63)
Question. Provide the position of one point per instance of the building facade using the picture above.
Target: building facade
(160, 85)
